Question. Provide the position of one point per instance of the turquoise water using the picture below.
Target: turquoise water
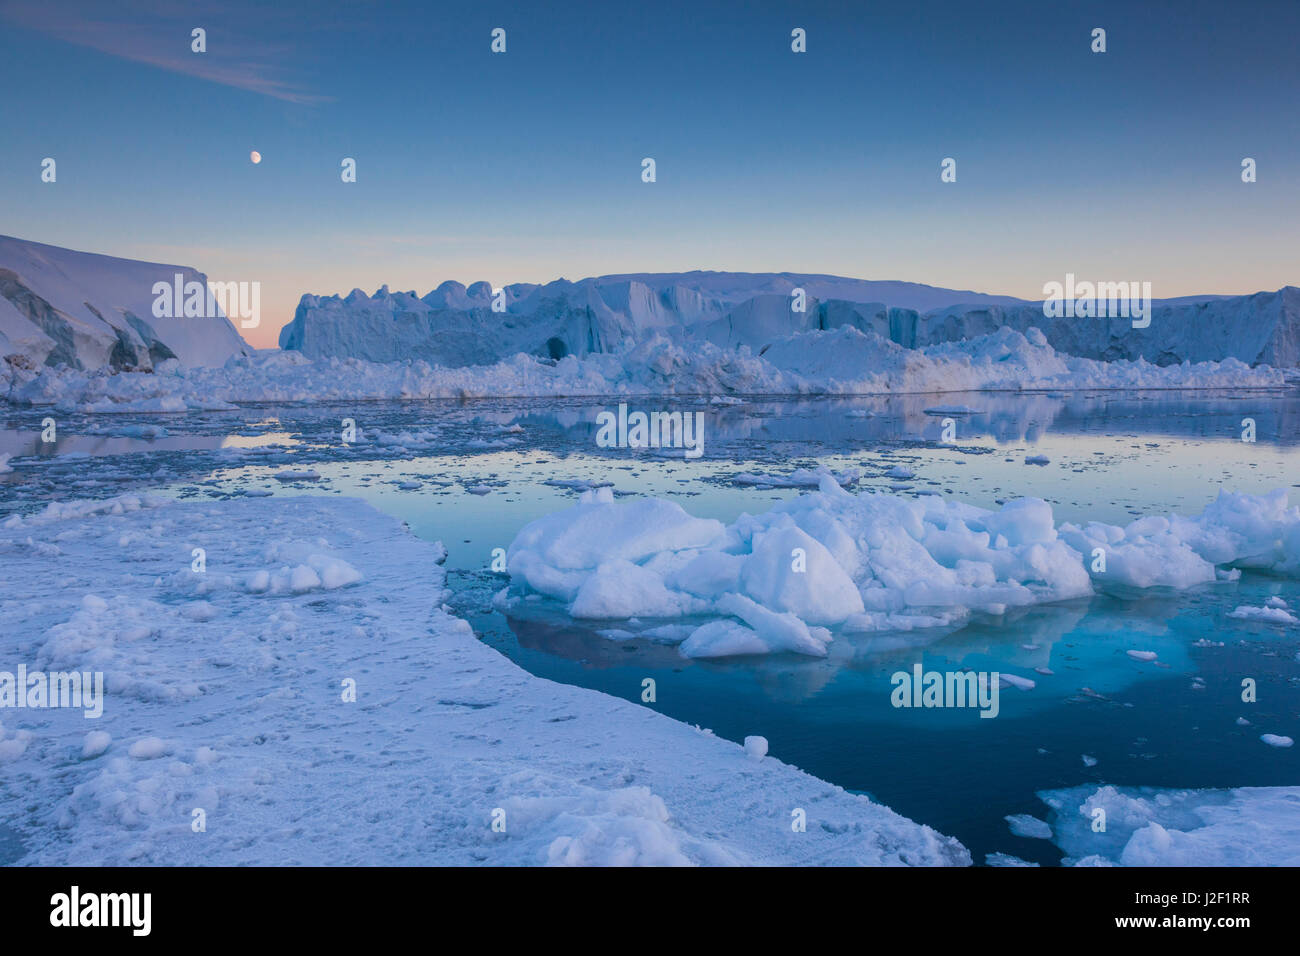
(1171, 723)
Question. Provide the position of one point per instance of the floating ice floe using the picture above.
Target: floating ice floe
(799, 478)
(1268, 614)
(577, 484)
(1005, 859)
(1024, 825)
(1145, 826)
(303, 474)
(833, 560)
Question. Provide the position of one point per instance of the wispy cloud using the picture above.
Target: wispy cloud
(156, 34)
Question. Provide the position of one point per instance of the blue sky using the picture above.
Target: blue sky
(526, 166)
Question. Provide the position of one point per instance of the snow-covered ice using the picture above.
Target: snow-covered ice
(242, 714)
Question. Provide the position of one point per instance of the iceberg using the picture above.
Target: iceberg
(90, 312)
(455, 326)
(785, 580)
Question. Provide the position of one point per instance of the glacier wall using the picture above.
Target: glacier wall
(455, 325)
(87, 311)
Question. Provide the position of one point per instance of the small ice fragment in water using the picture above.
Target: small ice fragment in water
(1089, 761)
(1276, 740)
(1020, 683)
(1269, 615)
(1142, 655)
(1023, 825)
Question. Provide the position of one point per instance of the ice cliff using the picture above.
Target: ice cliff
(88, 311)
(456, 326)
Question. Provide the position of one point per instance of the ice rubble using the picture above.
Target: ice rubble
(1250, 826)
(780, 581)
(238, 710)
(844, 361)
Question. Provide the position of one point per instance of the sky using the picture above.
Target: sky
(525, 166)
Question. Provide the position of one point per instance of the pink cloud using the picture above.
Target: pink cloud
(154, 34)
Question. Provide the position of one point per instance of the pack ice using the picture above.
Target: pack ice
(832, 560)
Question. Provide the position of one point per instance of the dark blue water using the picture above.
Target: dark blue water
(1147, 725)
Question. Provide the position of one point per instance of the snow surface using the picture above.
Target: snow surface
(224, 694)
(867, 562)
(1145, 826)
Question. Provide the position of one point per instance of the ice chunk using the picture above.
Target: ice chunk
(1024, 825)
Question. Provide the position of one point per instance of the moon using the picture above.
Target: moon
(255, 156)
